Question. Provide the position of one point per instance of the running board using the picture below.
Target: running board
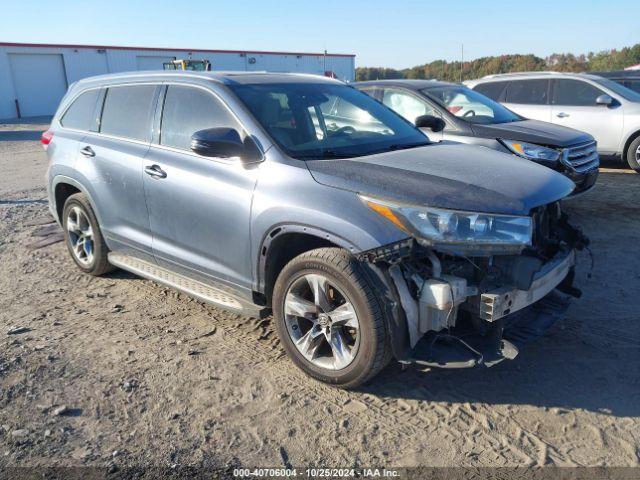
(199, 290)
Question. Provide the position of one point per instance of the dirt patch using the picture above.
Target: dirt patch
(121, 371)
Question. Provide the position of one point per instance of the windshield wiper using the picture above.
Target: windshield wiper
(328, 155)
(405, 146)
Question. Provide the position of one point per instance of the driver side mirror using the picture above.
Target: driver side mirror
(604, 100)
(436, 124)
(223, 143)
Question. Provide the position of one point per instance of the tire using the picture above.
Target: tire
(633, 154)
(369, 348)
(78, 217)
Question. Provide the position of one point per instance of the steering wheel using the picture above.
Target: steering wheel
(469, 113)
(345, 130)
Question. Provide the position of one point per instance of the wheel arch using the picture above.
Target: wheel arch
(628, 142)
(285, 242)
(63, 187)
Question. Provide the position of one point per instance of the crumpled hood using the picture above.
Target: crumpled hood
(457, 176)
(534, 131)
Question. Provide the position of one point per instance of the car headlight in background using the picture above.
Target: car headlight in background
(454, 231)
(531, 151)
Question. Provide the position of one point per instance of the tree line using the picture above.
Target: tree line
(455, 71)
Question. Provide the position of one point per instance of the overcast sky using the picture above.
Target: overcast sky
(381, 33)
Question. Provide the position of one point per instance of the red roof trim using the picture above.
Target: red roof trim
(112, 47)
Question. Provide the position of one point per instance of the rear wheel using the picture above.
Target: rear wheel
(83, 236)
(329, 319)
(633, 154)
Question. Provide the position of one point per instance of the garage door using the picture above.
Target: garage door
(151, 62)
(40, 82)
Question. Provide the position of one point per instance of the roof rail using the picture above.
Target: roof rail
(515, 74)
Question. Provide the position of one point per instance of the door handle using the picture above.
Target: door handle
(155, 171)
(562, 115)
(87, 151)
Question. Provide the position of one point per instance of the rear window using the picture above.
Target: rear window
(528, 92)
(127, 112)
(493, 90)
(80, 115)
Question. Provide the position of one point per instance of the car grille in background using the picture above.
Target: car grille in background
(581, 157)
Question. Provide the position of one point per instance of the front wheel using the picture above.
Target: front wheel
(633, 155)
(329, 319)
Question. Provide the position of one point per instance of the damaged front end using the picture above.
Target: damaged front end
(457, 304)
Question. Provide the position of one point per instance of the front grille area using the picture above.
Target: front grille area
(581, 158)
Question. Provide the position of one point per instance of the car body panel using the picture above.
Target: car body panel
(450, 176)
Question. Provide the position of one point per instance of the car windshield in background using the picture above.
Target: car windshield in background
(621, 90)
(471, 105)
(323, 120)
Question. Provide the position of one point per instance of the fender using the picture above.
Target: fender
(627, 141)
(284, 228)
(58, 179)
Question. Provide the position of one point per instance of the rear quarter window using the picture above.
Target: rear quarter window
(127, 112)
(80, 115)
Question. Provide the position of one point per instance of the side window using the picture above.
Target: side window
(406, 104)
(127, 112)
(575, 93)
(79, 115)
(528, 92)
(633, 85)
(493, 90)
(187, 110)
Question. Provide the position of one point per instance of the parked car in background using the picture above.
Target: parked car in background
(470, 117)
(599, 106)
(248, 191)
(626, 78)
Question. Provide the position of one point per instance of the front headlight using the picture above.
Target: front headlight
(456, 231)
(530, 151)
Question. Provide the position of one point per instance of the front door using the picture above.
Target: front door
(199, 207)
(574, 105)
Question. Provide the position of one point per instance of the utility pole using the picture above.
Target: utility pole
(461, 60)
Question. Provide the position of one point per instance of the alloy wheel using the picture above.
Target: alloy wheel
(80, 235)
(321, 322)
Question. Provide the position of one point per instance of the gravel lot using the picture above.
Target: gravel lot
(121, 371)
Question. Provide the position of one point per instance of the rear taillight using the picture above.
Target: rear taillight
(46, 138)
(454, 109)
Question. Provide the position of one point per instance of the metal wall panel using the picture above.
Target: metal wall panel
(84, 61)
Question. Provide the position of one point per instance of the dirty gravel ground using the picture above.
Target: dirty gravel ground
(150, 377)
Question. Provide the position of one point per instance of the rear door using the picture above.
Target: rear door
(574, 105)
(199, 207)
(111, 162)
(529, 98)
(79, 118)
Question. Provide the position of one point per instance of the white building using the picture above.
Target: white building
(34, 77)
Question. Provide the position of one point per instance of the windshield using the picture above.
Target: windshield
(470, 105)
(323, 120)
(621, 90)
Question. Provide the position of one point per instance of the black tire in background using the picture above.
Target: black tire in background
(343, 271)
(633, 154)
(99, 263)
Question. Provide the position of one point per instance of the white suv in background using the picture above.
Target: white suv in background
(596, 105)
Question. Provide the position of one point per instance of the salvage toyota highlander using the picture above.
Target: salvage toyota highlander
(300, 196)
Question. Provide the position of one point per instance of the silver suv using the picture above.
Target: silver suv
(599, 106)
(303, 197)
